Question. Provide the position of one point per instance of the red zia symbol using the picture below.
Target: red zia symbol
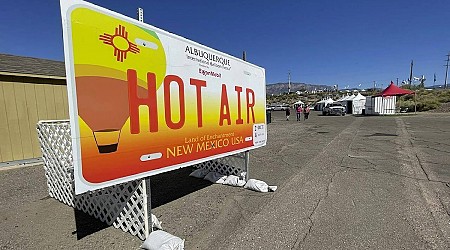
(120, 43)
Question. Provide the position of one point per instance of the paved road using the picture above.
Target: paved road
(343, 183)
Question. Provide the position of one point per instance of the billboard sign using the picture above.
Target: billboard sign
(144, 101)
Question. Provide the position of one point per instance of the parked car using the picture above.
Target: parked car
(334, 108)
(281, 107)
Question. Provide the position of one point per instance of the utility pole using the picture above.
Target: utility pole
(374, 85)
(289, 82)
(446, 69)
(411, 73)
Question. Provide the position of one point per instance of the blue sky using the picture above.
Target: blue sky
(322, 41)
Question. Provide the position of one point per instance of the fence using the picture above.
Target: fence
(124, 205)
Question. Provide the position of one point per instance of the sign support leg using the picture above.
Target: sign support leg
(247, 159)
(148, 206)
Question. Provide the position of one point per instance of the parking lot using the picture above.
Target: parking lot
(344, 182)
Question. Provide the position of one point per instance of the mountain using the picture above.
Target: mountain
(283, 87)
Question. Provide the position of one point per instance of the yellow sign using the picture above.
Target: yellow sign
(144, 101)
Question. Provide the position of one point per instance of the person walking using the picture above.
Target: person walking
(299, 112)
(306, 112)
(288, 113)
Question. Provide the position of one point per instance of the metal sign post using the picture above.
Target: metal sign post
(247, 159)
(148, 197)
(147, 206)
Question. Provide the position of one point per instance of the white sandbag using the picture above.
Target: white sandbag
(259, 186)
(156, 223)
(200, 173)
(215, 177)
(161, 240)
(235, 181)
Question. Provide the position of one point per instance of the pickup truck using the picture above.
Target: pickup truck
(334, 108)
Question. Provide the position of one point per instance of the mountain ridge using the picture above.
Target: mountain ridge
(283, 87)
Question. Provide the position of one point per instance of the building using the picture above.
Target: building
(31, 89)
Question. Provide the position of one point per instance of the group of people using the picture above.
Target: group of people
(300, 109)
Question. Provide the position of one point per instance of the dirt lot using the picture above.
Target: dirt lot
(343, 183)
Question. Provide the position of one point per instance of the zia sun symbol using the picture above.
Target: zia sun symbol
(119, 41)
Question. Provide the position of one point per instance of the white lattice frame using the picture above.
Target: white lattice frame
(125, 206)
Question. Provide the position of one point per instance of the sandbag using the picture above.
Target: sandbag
(259, 186)
(156, 223)
(200, 173)
(235, 181)
(215, 177)
(161, 240)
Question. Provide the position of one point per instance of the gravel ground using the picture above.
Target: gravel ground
(343, 183)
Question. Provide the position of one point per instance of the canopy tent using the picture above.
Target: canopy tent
(358, 104)
(298, 103)
(359, 97)
(342, 98)
(347, 102)
(321, 104)
(329, 100)
(393, 91)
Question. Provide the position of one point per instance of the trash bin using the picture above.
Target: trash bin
(268, 116)
(363, 112)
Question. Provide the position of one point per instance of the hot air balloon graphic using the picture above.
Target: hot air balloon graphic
(101, 60)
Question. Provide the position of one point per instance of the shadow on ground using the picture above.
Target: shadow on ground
(86, 224)
(165, 187)
(172, 185)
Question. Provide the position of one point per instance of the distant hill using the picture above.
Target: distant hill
(283, 87)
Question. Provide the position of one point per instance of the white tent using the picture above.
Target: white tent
(343, 98)
(298, 103)
(358, 104)
(319, 105)
(347, 102)
(380, 105)
(329, 100)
